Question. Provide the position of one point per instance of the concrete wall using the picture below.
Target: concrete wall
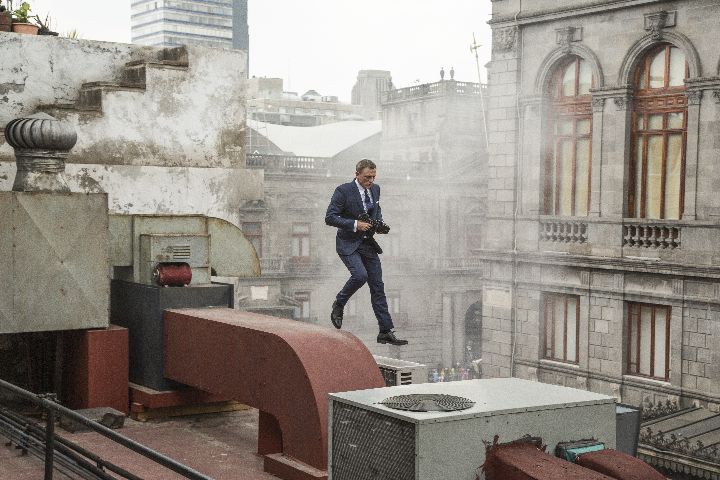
(164, 134)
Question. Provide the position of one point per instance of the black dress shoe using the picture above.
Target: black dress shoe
(337, 314)
(389, 337)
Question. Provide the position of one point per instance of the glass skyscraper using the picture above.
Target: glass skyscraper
(209, 23)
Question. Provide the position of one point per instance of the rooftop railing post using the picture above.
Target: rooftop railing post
(49, 444)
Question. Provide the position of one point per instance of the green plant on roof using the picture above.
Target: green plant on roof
(21, 14)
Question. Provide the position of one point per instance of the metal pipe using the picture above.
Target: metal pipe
(153, 455)
(49, 444)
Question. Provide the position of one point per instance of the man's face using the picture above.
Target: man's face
(366, 177)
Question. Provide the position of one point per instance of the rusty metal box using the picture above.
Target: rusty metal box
(191, 249)
(54, 273)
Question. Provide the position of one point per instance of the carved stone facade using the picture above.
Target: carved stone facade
(615, 268)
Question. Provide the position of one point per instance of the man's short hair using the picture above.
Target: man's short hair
(365, 163)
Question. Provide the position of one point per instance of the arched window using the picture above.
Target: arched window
(568, 148)
(657, 170)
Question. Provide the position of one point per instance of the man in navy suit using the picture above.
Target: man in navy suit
(358, 249)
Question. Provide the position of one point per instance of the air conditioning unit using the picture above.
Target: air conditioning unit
(401, 372)
(369, 439)
(171, 248)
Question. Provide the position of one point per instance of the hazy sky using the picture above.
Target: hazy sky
(321, 44)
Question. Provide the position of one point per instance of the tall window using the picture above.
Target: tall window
(659, 136)
(562, 321)
(568, 151)
(253, 232)
(648, 340)
(302, 310)
(301, 240)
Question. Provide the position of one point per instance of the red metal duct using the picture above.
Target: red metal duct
(524, 461)
(284, 368)
(618, 465)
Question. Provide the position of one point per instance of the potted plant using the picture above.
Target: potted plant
(5, 19)
(21, 17)
(44, 26)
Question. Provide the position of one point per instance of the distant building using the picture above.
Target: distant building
(267, 102)
(369, 89)
(167, 23)
(431, 166)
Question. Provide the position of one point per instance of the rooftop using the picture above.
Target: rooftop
(320, 141)
(220, 445)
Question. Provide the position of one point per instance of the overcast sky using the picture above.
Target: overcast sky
(322, 44)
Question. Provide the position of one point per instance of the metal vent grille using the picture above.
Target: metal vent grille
(405, 378)
(180, 252)
(370, 446)
(389, 375)
(428, 403)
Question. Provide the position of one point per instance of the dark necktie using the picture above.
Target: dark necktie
(368, 202)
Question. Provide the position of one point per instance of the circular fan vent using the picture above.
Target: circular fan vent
(428, 403)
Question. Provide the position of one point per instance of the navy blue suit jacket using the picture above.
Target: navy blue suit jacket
(346, 205)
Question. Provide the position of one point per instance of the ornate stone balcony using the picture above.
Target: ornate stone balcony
(445, 87)
(288, 163)
(651, 236)
(563, 231)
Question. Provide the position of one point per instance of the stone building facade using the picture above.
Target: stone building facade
(429, 269)
(600, 246)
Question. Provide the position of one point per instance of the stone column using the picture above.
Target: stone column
(447, 329)
(458, 329)
(42, 144)
(691, 154)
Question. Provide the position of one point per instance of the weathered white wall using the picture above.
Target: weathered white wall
(171, 144)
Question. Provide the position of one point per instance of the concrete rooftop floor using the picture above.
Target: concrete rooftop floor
(220, 445)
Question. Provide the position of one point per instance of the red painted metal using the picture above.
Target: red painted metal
(618, 465)
(524, 461)
(173, 274)
(142, 397)
(284, 368)
(95, 369)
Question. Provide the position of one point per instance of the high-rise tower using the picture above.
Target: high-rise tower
(209, 23)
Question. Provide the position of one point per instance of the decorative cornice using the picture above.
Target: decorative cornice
(565, 36)
(505, 39)
(564, 12)
(694, 97)
(703, 83)
(598, 104)
(655, 22)
(623, 103)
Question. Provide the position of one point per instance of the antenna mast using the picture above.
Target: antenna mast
(474, 48)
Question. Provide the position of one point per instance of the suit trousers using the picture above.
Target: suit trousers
(364, 266)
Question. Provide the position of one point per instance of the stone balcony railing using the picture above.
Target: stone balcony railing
(651, 236)
(322, 166)
(288, 163)
(444, 87)
(563, 231)
(292, 266)
(461, 264)
(683, 242)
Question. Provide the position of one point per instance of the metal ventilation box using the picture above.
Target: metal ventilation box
(370, 441)
(191, 249)
(401, 372)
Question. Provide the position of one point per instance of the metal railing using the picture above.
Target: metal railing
(32, 436)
